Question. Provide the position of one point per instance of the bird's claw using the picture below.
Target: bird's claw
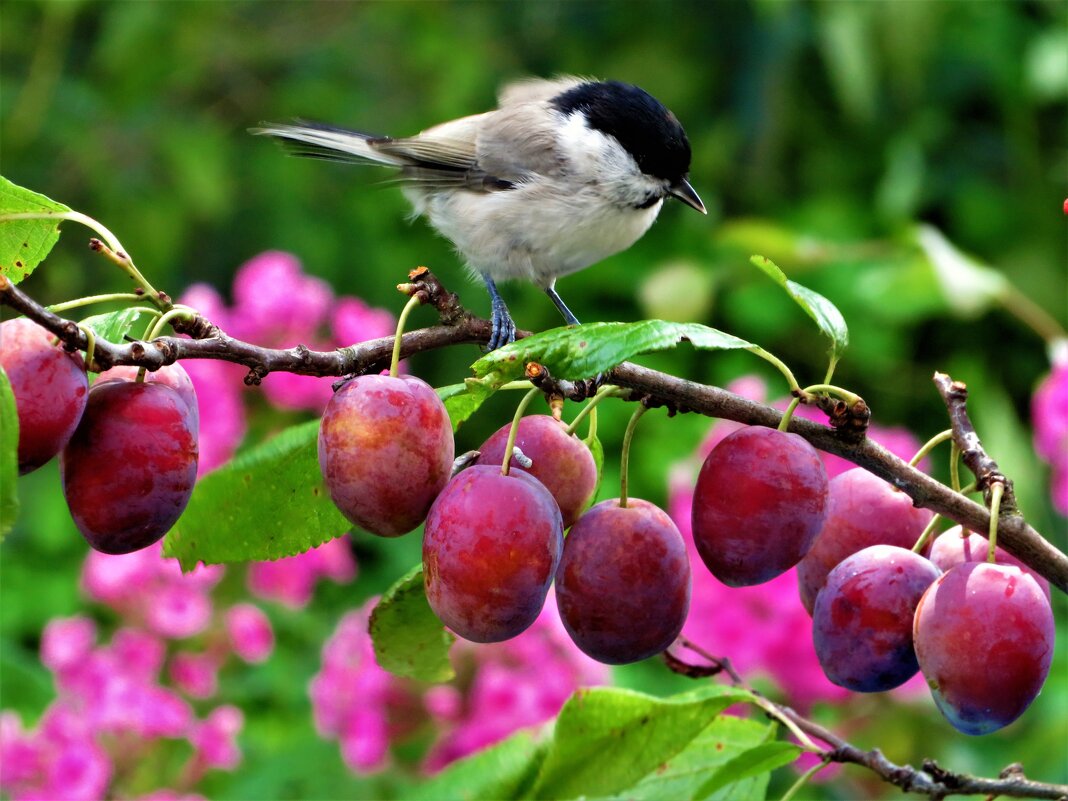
(503, 327)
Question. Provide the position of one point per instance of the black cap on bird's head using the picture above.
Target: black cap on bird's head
(642, 125)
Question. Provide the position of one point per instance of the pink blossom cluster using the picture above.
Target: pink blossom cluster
(110, 707)
(505, 687)
(763, 629)
(1049, 414)
(275, 304)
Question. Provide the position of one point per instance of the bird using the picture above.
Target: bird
(565, 172)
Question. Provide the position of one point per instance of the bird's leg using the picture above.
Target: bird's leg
(591, 384)
(503, 326)
(554, 296)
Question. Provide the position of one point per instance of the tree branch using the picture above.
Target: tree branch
(931, 780)
(459, 326)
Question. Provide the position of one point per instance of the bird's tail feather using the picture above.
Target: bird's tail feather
(315, 140)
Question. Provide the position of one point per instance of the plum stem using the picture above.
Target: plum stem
(954, 467)
(513, 432)
(788, 415)
(624, 460)
(930, 445)
(402, 320)
(602, 393)
(802, 780)
(997, 489)
(926, 535)
(90, 350)
(91, 299)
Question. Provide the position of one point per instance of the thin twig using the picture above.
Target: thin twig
(678, 394)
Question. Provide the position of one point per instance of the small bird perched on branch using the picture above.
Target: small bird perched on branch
(562, 174)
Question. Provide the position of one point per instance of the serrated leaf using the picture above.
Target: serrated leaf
(25, 243)
(408, 638)
(463, 400)
(830, 321)
(608, 739)
(9, 456)
(268, 503)
(756, 761)
(583, 351)
(498, 773)
(724, 739)
(114, 326)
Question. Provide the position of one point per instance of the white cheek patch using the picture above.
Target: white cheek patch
(592, 152)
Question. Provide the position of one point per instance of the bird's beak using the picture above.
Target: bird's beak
(684, 192)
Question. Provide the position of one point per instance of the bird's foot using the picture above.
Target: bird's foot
(503, 327)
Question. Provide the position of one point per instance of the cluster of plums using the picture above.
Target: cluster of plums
(493, 541)
(981, 632)
(127, 448)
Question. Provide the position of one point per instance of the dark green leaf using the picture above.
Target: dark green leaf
(583, 351)
(608, 739)
(408, 638)
(268, 503)
(759, 760)
(498, 773)
(826, 314)
(25, 243)
(9, 456)
(463, 400)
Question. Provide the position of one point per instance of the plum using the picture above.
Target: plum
(130, 467)
(623, 584)
(560, 461)
(984, 640)
(50, 388)
(864, 510)
(950, 549)
(385, 451)
(862, 622)
(173, 375)
(759, 502)
(491, 546)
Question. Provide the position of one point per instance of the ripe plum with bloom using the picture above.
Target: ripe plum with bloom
(275, 305)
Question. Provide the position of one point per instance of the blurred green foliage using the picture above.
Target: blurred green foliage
(822, 132)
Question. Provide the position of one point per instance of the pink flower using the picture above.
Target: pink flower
(147, 588)
(519, 683)
(197, 675)
(1049, 414)
(291, 581)
(54, 762)
(250, 632)
(276, 303)
(351, 693)
(66, 642)
(215, 738)
(353, 321)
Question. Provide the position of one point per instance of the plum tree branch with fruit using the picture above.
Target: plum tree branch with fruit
(458, 326)
(763, 503)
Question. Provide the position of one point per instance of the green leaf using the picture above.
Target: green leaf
(408, 638)
(583, 351)
(498, 773)
(719, 744)
(463, 400)
(25, 243)
(826, 314)
(9, 456)
(608, 739)
(968, 286)
(756, 761)
(268, 503)
(114, 326)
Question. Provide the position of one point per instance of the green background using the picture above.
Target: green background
(821, 132)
